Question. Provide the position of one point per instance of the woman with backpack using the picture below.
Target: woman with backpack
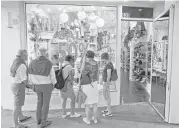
(106, 82)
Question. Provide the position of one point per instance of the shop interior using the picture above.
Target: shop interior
(145, 48)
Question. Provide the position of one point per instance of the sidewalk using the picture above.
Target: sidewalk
(139, 115)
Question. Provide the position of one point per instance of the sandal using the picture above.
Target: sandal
(25, 119)
(107, 115)
(45, 124)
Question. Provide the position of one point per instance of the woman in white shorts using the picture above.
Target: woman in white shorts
(90, 88)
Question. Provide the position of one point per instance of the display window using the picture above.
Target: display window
(67, 29)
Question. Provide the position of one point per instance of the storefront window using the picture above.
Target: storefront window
(67, 29)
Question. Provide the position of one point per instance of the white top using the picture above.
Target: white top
(21, 74)
(38, 79)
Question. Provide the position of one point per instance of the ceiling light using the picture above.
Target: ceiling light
(48, 10)
(63, 17)
(92, 16)
(140, 10)
(99, 22)
(93, 8)
(82, 15)
(59, 9)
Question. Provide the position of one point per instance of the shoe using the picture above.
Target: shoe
(105, 111)
(95, 120)
(64, 116)
(107, 115)
(45, 124)
(21, 126)
(75, 115)
(25, 119)
(86, 121)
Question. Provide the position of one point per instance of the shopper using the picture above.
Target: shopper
(68, 74)
(106, 79)
(90, 86)
(139, 72)
(42, 75)
(19, 73)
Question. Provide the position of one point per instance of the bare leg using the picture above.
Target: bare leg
(95, 111)
(105, 95)
(21, 116)
(64, 106)
(16, 113)
(108, 99)
(87, 110)
(73, 105)
(109, 103)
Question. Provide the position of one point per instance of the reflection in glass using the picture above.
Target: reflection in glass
(159, 65)
(136, 58)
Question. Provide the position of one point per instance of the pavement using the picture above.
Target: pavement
(137, 115)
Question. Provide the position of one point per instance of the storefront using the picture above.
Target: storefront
(65, 28)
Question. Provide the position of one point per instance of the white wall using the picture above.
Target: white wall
(174, 98)
(158, 9)
(10, 43)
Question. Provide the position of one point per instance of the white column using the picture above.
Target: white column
(174, 94)
(10, 43)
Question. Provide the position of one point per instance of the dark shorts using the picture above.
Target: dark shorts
(18, 90)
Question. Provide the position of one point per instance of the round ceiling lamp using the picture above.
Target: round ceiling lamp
(92, 16)
(63, 17)
(99, 22)
(81, 15)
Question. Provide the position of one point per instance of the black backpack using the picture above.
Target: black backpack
(60, 80)
(114, 75)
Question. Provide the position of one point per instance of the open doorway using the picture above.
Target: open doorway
(136, 60)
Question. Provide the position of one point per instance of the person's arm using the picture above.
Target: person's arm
(108, 75)
(52, 76)
(22, 70)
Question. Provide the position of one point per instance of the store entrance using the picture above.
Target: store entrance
(136, 61)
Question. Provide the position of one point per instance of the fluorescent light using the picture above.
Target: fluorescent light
(140, 10)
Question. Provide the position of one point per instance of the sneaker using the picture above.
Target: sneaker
(105, 111)
(107, 115)
(86, 121)
(75, 115)
(64, 116)
(95, 120)
(45, 124)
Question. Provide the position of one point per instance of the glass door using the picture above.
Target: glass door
(161, 62)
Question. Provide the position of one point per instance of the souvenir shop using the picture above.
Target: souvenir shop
(139, 44)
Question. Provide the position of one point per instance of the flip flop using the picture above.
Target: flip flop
(25, 119)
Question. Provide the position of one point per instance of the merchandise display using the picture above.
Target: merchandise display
(66, 29)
